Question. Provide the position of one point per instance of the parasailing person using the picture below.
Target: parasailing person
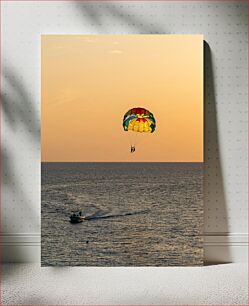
(138, 120)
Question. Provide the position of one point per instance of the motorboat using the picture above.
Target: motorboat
(76, 217)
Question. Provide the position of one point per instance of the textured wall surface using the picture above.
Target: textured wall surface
(224, 26)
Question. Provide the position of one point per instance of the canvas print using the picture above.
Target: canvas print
(122, 150)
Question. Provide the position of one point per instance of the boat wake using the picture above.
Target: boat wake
(101, 215)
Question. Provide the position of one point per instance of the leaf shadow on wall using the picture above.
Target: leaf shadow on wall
(99, 15)
(19, 116)
(215, 210)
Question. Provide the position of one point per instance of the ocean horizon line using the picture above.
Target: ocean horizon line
(122, 162)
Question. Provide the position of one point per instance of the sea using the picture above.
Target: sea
(139, 214)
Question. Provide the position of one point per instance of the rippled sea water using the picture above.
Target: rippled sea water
(141, 214)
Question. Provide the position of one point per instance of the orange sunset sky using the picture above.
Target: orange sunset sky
(90, 81)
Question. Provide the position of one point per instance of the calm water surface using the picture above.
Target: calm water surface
(142, 214)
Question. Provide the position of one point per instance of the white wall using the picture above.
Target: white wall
(224, 25)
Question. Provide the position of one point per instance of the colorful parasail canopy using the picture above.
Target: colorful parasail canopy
(139, 119)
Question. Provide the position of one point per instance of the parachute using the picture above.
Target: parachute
(138, 120)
